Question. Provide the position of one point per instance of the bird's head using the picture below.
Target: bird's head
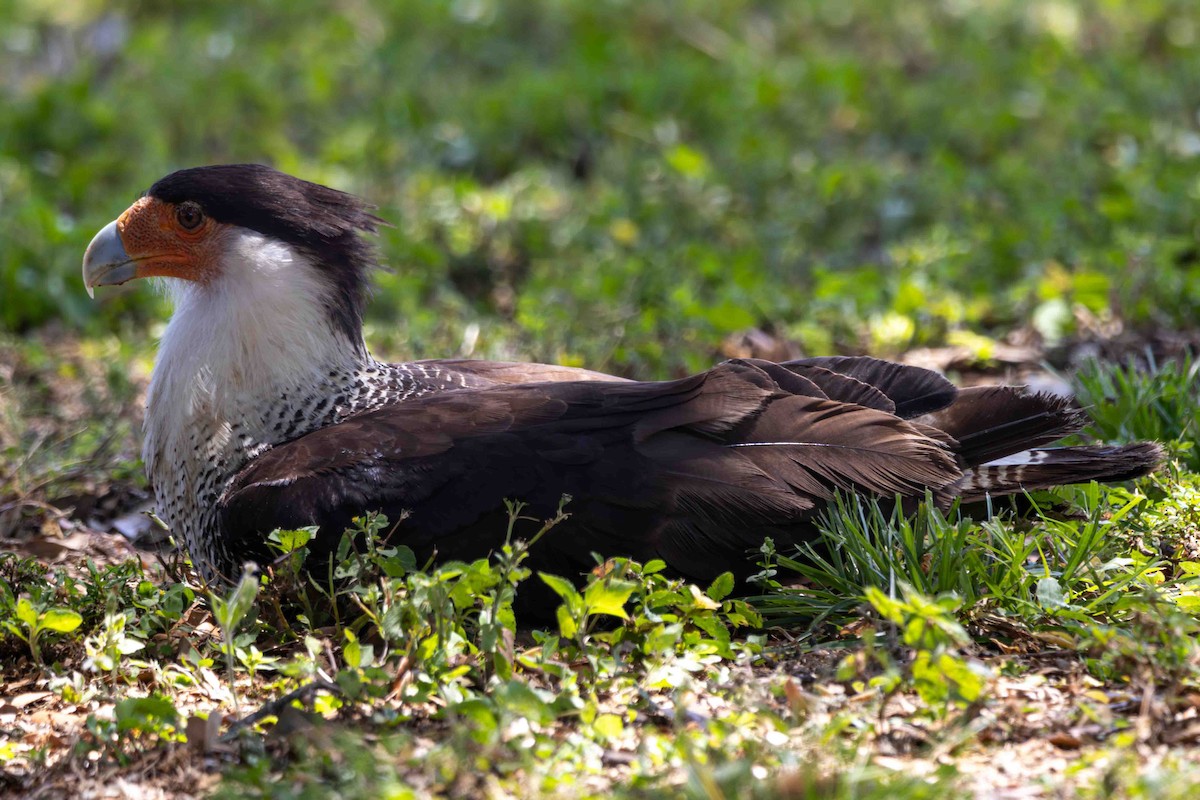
(203, 228)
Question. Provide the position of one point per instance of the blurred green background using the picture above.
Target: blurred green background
(627, 184)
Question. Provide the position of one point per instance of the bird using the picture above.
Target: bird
(266, 411)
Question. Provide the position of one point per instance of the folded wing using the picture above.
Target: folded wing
(694, 471)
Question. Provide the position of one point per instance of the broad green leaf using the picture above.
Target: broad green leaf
(399, 562)
(720, 588)
(63, 620)
(566, 623)
(561, 586)
(352, 652)
(608, 596)
(712, 625)
(291, 541)
(1188, 602)
(1050, 594)
(26, 612)
(664, 598)
(888, 607)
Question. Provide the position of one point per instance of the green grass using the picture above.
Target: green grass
(1123, 403)
(623, 184)
(1031, 572)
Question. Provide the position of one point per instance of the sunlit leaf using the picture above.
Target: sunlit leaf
(62, 620)
(608, 596)
(721, 586)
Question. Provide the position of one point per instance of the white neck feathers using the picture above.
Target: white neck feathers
(258, 330)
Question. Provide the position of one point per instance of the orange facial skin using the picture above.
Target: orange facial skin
(168, 240)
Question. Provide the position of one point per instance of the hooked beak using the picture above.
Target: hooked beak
(106, 263)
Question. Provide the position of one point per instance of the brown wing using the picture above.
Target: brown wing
(992, 422)
(912, 390)
(694, 471)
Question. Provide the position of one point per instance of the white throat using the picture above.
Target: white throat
(238, 349)
(259, 325)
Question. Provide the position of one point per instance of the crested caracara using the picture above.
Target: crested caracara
(266, 411)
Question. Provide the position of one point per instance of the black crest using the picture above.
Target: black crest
(324, 222)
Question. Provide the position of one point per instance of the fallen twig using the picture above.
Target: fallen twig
(273, 707)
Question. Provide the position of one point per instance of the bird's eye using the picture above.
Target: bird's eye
(189, 216)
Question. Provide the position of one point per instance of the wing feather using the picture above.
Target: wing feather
(691, 470)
